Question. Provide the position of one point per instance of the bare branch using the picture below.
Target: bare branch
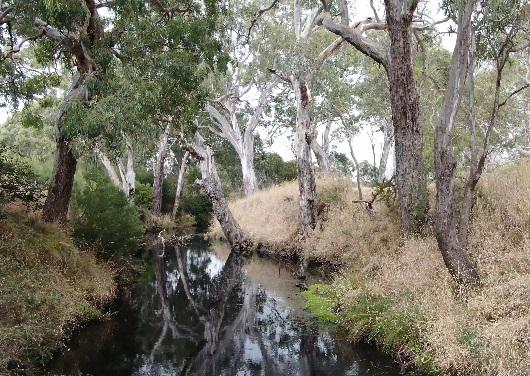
(515, 92)
(258, 15)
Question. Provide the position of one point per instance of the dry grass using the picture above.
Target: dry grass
(398, 292)
(47, 286)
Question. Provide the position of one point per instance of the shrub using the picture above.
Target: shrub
(105, 220)
(199, 206)
(143, 196)
(18, 182)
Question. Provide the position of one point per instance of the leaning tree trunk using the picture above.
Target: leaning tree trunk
(321, 156)
(306, 174)
(212, 185)
(60, 189)
(180, 184)
(158, 172)
(410, 170)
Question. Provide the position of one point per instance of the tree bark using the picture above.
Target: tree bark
(445, 224)
(180, 184)
(212, 185)
(158, 172)
(306, 174)
(321, 156)
(246, 157)
(388, 138)
(410, 170)
(60, 189)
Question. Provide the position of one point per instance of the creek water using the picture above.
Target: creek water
(201, 310)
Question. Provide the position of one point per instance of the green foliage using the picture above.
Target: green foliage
(386, 192)
(18, 182)
(342, 164)
(321, 302)
(143, 196)
(199, 206)
(105, 220)
(271, 169)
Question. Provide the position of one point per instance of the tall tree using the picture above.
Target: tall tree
(398, 62)
(501, 41)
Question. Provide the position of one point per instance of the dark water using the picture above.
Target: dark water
(199, 310)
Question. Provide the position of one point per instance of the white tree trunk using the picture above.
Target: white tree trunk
(388, 139)
(158, 171)
(109, 168)
(357, 169)
(180, 184)
(125, 182)
(306, 174)
(250, 183)
(211, 183)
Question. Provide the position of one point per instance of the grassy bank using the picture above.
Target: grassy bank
(397, 292)
(47, 287)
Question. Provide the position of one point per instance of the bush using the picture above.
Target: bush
(143, 196)
(199, 206)
(105, 220)
(18, 182)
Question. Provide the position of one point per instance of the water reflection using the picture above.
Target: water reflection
(200, 312)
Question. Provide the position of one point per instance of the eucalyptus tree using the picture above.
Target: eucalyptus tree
(234, 110)
(397, 59)
(169, 40)
(481, 31)
(299, 56)
(77, 32)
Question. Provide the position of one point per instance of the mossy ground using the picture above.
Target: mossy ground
(47, 287)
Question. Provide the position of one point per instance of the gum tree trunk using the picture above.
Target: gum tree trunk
(388, 138)
(445, 224)
(158, 172)
(60, 189)
(180, 184)
(321, 156)
(410, 169)
(246, 157)
(306, 174)
(212, 185)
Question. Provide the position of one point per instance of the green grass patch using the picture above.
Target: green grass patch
(321, 302)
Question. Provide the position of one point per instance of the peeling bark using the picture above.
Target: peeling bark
(212, 185)
(180, 184)
(410, 170)
(306, 174)
(158, 171)
(445, 224)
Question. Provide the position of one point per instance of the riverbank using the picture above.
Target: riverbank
(48, 287)
(396, 291)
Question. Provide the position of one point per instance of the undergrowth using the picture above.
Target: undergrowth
(47, 287)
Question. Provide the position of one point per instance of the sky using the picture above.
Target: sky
(360, 9)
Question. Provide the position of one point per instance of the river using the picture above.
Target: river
(201, 310)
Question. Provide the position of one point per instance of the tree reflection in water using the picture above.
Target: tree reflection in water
(195, 315)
